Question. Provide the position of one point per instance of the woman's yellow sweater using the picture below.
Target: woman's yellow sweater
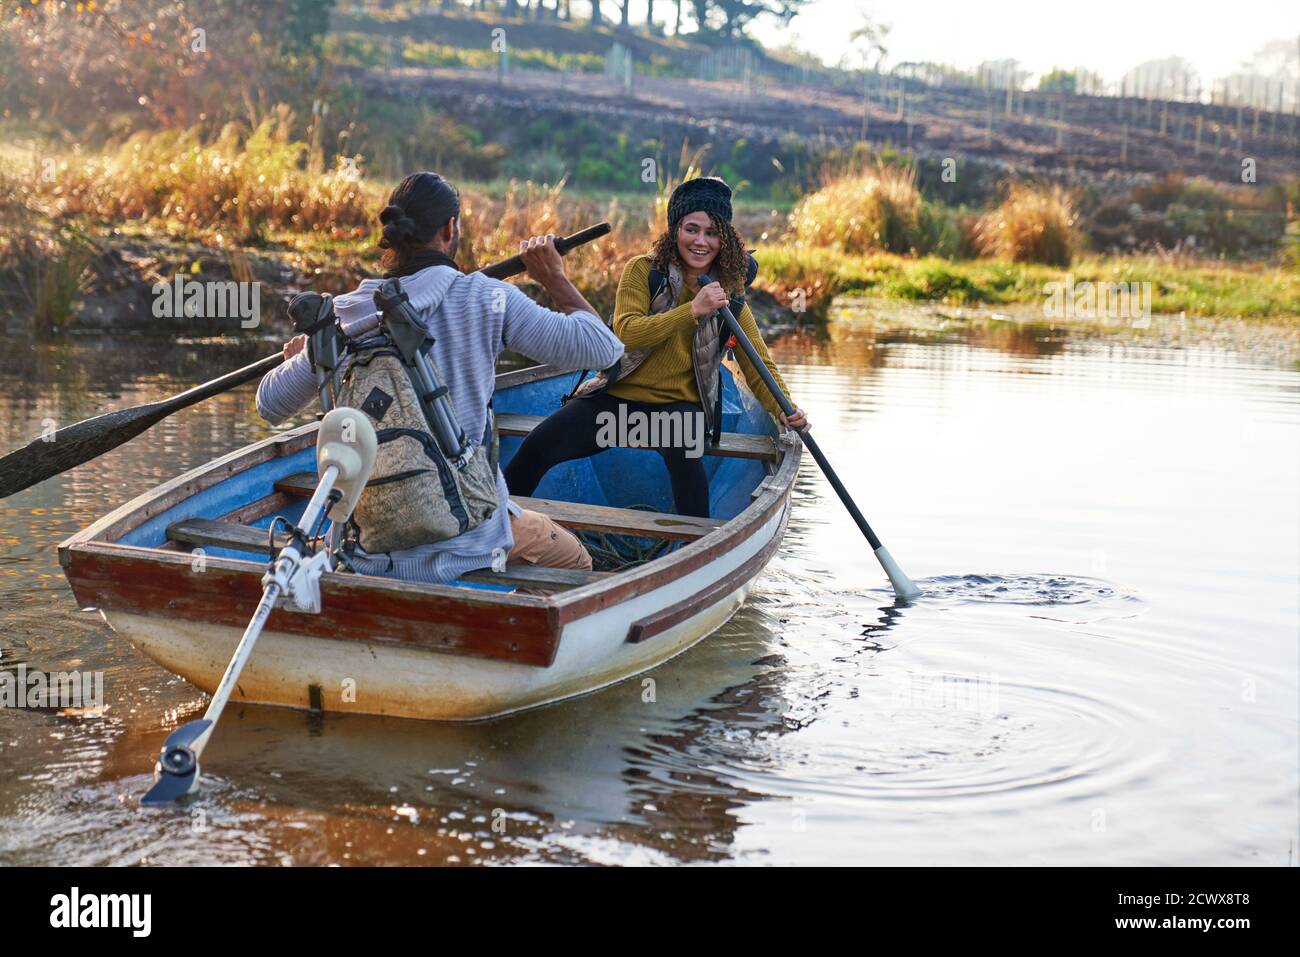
(667, 375)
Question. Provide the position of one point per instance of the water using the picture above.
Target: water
(1103, 671)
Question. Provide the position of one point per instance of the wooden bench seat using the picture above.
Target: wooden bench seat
(730, 444)
(246, 538)
(600, 518)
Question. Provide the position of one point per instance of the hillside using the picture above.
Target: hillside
(1048, 132)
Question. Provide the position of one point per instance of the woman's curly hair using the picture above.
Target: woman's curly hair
(729, 267)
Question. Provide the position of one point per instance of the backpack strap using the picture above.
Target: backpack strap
(655, 282)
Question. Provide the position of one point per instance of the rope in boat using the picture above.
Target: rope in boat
(612, 553)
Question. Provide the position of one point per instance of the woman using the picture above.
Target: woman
(673, 338)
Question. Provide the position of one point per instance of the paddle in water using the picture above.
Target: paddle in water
(77, 444)
(345, 457)
(904, 587)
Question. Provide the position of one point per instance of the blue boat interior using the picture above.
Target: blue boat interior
(621, 478)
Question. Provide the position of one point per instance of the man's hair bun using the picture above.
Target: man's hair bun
(399, 228)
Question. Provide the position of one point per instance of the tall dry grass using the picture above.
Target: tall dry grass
(1034, 224)
(241, 183)
(43, 265)
(877, 210)
(493, 227)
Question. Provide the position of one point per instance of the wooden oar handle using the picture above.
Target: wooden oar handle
(515, 264)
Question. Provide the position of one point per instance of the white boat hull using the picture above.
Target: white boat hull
(386, 678)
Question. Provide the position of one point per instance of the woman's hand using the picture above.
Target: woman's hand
(709, 299)
(798, 421)
(293, 347)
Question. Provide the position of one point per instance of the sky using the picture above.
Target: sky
(1106, 36)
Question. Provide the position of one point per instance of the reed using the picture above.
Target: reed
(58, 272)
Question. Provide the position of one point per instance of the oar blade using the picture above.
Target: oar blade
(73, 445)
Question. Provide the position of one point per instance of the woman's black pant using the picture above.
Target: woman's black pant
(571, 434)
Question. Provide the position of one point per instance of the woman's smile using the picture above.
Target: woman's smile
(698, 241)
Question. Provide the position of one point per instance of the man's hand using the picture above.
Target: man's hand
(293, 347)
(542, 259)
(798, 421)
(709, 299)
(543, 262)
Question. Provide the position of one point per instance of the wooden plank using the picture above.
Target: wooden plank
(261, 508)
(730, 444)
(622, 521)
(206, 531)
(458, 621)
(601, 518)
(158, 500)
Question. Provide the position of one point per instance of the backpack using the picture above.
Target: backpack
(420, 491)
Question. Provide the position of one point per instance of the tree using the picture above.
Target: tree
(871, 36)
(738, 14)
(182, 62)
(701, 14)
(1058, 81)
(596, 18)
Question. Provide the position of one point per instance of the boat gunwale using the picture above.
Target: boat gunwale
(562, 607)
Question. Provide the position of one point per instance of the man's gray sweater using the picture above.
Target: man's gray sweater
(472, 319)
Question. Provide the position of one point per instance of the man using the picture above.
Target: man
(472, 319)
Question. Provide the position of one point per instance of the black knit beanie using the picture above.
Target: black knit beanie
(703, 194)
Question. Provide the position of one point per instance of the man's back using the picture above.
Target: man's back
(472, 319)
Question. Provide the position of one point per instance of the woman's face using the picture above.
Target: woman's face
(698, 241)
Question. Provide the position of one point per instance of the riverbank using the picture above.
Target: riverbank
(1183, 284)
(85, 249)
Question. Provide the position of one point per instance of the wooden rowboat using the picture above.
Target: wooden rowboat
(178, 571)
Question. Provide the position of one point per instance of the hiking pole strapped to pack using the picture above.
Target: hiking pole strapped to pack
(313, 316)
(413, 342)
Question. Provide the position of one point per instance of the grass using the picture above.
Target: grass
(1196, 286)
(254, 190)
(238, 185)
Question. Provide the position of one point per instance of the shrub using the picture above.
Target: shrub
(880, 210)
(1033, 224)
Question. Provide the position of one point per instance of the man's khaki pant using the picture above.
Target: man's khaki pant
(540, 541)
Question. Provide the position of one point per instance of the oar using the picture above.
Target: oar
(904, 587)
(77, 444)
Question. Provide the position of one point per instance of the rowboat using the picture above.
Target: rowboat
(178, 572)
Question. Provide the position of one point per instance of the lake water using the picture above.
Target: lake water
(1103, 669)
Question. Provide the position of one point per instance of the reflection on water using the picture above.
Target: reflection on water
(1103, 669)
